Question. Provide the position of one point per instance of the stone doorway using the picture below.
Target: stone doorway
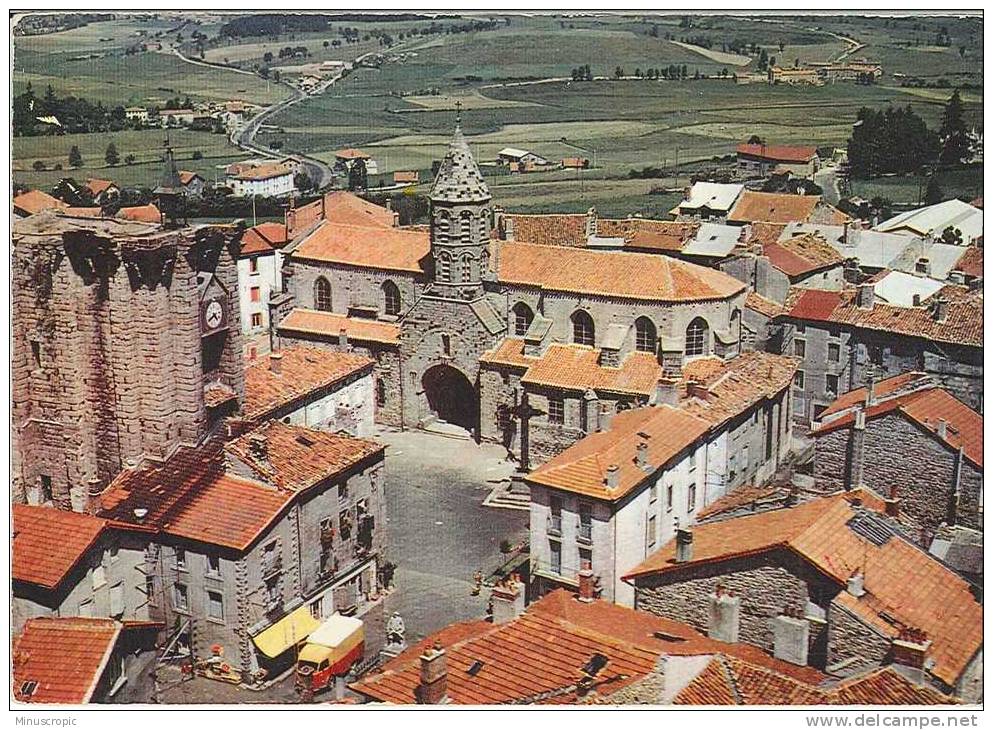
(451, 397)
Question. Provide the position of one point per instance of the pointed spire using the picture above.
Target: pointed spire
(459, 179)
(170, 182)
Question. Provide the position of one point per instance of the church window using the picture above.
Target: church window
(444, 267)
(466, 268)
(582, 329)
(556, 410)
(391, 298)
(465, 226)
(523, 316)
(644, 335)
(697, 337)
(322, 295)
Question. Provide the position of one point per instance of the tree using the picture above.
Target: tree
(952, 236)
(129, 159)
(894, 140)
(267, 57)
(111, 155)
(38, 165)
(197, 155)
(75, 159)
(357, 176)
(302, 181)
(933, 193)
(618, 72)
(952, 135)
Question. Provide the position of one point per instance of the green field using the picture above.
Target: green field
(907, 190)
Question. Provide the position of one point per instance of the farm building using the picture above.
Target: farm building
(758, 160)
(524, 159)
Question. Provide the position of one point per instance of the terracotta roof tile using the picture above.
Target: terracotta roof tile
(35, 201)
(971, 262)
(557, 229)
(760, 233)
(582, 468)
(297, 458)
(143, 213)
(620, 274)
(963, 324)
(648, 234)
(304, 372)
(901, 581)
(83, 212)
(263, 238)
(263, 172)
(391, 249)
(802, 254)
(762, 305)
(350, 153)
(191, 496)
(884, 686)
(880, 389)
(778, 153)
(926, 408)
(49, 542)
(328, 324)
(65, 656)
(575, 367)
(728, 389)
(97, 186)
(783, 208)
(349, 209)
(186, 176)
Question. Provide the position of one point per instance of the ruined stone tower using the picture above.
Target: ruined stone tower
(126, 343)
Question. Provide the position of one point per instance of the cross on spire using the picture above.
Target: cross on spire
(458, 113)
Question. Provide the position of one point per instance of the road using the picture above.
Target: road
(827, 178)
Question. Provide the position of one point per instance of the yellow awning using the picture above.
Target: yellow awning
(288, 631)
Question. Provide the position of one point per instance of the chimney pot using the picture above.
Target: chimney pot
(433, 687)
(276, 363)
(641, 456)
(942, 429)
(866, 297)
(613, 473)
(856, 584)
(587, 586)
(684, 545)
(940, 309)
(140, 513)
(343, 337)
(507, 600)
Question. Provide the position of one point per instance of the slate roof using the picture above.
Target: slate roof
(619, 274)
(304, 372)
(389, 249)
(962, 326)
(459, 179)
(329, 325)
(65, 656)
(582, 468)
(48, 543)
(905, 587)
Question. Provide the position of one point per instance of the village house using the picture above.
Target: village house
(314, 388)
(111, 661)
(857, 69)
(760, 159)
(193, 183)
(709, 201)
(303, 543)
(794, 75)
(577, 650)
(782, 208)
(604, 503)
(520, 160)
(344, 159)
(830, 583)
(137, 114)
(268, 180)
(847, 337)
(406, 177)
(102, 191)
(177, 117)
(260, 263)
(35, 201)
(73, 564)
(771, 269)
(575, 163)
(963, 221)
(909, 440)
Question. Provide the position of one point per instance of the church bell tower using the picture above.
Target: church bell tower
(460, 223)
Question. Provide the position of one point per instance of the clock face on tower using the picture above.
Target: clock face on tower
(213, 316)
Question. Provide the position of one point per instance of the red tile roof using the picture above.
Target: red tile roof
(186, 176)
(191, 496)
(802, 254)
(298, 458)
(902, 582)
(329, 325)
(925, 408)
(783, 208)
(538, 657)
(648, 234)
(65, 656)
(762, 305)
(778, 153)
(81, 212)
(390, 249)
(349, 209)
(35, 201)
(963, 324)
(764, 233)
(619, 274)
(264, 171)
(575, 367)
(406, 176)
(725, 390)
(97, 186)
(350, 153)
(583, 467)
(263, 238)
(971, 262)
(556, 229)
(305, 373)
(143, 213)
(881, 389)
(49, 542)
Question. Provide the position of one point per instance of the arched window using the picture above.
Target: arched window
(444, 266)
(465, 226)
(391, 298)
(582, 329)
(644, 335)
(467, 268)
(697, 337)
(322, 294)
(444, 224)
(523, 316)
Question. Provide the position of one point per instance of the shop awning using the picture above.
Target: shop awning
(288, 631)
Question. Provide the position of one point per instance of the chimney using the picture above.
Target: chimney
(433, 686)
(666, 393)
(613, 473)
(908, 652)
(591, 223)
(916, 300)
(259, 446)
(866, 296)
(343, 338)
(140, 513)
(891, 504)
(591, 406)
(942, 429)
(844, 234)
(856, 452)
(641, 456)
(508, 228)
(587, 586)
(507, 600)
(606, 417)
(856, 584)
(276, 363)
(684, 545)
(940, 309)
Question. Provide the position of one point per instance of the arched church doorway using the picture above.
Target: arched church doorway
(451, 397)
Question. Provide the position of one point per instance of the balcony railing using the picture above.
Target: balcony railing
(555, 524)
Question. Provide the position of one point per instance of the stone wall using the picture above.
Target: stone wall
(901, 454)
(849, 638)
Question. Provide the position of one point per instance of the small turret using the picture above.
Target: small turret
(170, 197)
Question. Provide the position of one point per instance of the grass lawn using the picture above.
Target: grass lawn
(960, 183)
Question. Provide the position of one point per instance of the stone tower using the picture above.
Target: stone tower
(460, 223)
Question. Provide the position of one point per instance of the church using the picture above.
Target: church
(524, 344)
